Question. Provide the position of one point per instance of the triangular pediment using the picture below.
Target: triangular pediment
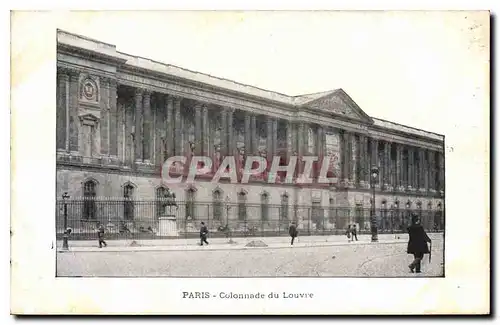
(339, 103)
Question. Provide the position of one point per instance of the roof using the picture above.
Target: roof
(97, 46)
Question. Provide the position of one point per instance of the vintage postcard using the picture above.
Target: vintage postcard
(251, 162)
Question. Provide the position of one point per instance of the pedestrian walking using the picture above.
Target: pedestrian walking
(354, 233)
(417, 243)
(100, 235)
(203, 234)
(293, 232)
(348, 233)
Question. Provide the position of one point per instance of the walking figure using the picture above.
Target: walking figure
(293, 232)
(417, 244)
(203, 234)
(348, 233)
(100, 235)
(354, 233)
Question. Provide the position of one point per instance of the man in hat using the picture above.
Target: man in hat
(100, 235)
(203, 234)
(293, 232)
(417, 243)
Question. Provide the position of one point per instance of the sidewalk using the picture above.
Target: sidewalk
(223, 243)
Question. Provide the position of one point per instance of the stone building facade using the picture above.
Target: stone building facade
(119, 117)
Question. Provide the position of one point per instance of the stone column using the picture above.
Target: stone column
(169, 126)
(421, 170)
(248, 134)
(320, 142)
(411, 168)
(361, 155)
(289, 140)
(230, 130)
(432, 171)
(441, 175)
(355, 159)
(138, 126)
(74, 123)
(399, 166)
(415, 169)
(224, 133)
(147, 134)
(275, 137)
(105, 117)
(62, 125)
(178, 127)
(113, 124)
(346, 152)
(206, 132)
(387, 165)
(197, 129)
(300, 145)
(269, 140)
(427, 170)
(253, 130)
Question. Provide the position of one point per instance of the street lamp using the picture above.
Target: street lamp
(228, 232)
(65, 198)
(373, 219)
(408, 219)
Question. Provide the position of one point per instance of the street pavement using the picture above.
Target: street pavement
(312, 258)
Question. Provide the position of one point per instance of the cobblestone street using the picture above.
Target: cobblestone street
(357, 260)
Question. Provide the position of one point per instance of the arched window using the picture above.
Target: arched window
(284, 206)
(359, 217)
(190, 203)
(407, 215)
(128, 202)
(217, 204)
(160, 201)
(89, 205)
(419, 211)
(242, 206)
(331, 211)
(264, 206)
(397, 217)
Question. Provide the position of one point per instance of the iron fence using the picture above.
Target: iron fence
(130, 219)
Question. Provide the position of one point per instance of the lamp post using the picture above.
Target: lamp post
(407, 213)
(227, 219)
(65, 198)
(373, 219)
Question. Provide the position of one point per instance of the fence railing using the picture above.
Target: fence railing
(130, 219)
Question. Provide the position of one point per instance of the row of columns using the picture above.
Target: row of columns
(424, 173)
(409, 168)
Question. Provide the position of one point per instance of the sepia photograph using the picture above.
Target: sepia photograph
(260, 145)
(282, 185)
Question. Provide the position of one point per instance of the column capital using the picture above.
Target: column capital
(63, 73)
(146, 92)
(73, 74)
(139, 92)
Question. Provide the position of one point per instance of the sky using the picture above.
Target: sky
(396, 66)
(413, 68)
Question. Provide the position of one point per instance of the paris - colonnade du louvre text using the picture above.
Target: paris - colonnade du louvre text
(119, 117)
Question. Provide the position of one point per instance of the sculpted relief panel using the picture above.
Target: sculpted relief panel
(334, 104)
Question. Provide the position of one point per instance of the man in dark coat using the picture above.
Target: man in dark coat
(354, 232)
(203, 234)
(417, 243)
(100, 235)
(292, 231)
